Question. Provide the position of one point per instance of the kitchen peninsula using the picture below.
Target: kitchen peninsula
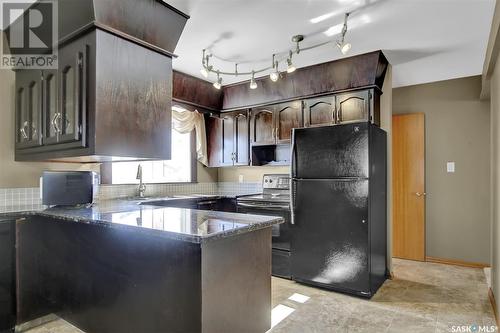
(123, 267)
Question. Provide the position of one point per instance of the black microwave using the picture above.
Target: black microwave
(69, 188)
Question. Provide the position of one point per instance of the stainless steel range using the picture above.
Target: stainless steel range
(274, 200)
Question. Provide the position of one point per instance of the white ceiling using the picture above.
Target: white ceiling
(425, 40)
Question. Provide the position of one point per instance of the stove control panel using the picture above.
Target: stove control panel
(276, 181)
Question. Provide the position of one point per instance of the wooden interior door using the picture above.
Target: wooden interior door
(408, 167)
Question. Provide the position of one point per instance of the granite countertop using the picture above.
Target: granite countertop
(196, 226)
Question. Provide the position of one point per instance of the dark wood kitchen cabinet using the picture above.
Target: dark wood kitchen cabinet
(262, 129)
(228, 139)
(92, 110)
(273, 124)
(51, 104)
(28, 108)
(288, 116)
(319, 111)
(7, 275)
(357, 106)
(64, 98)
(241, 138)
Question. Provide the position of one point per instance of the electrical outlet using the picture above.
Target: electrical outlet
(450, 167)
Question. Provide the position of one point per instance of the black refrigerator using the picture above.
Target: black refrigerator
(339, 207)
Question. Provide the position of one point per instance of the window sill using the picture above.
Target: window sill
(174, 183)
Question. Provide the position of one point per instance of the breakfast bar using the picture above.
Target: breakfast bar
(123, 267)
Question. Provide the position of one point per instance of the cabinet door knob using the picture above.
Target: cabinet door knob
(419, 194)
(23, 130)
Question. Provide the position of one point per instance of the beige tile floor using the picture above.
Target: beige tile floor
(423, 297)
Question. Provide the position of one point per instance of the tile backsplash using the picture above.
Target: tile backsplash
(12, 197)
(20, 196)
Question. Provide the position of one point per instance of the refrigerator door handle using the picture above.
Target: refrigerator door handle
(293, 157)
(292, 201)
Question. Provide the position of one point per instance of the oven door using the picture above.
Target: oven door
(281, 232)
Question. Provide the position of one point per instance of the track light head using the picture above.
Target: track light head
(290, 68)
(204, 72)
(344, 47)
(275, 74)
(218, 83)
(253, 84)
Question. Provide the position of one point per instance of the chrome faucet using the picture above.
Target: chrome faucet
(142, 187)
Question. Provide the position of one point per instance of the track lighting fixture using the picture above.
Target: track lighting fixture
(218, 83)
(343, 46)
(273, 70)
(291, 68)
(206, 69)
(275, 74)
(253, 84)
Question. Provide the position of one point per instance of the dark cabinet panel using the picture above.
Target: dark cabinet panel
(273, 124)
(28, 108)
(241, 138)
(69, 121)
(50, 106)
(133, 106)
(7, 276)
(358, 72)
(288, 116)
(262, 127)
(228, 139)
(214, 140)
(320, 111)
(353, 107)
(110, 99)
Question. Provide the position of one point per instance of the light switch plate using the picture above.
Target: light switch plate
(241, 179)
(450, 167)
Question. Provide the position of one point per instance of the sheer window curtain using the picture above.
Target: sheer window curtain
(185, 122)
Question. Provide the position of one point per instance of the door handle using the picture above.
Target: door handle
(420, 194)
(23, 131)
(292, 201)
(55, 122)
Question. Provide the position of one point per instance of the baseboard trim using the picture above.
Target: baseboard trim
(494, 305)
(456, 262)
